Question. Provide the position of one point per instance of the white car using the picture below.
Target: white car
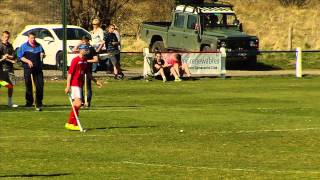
(50, 37)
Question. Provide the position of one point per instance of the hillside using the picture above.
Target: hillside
(266, 19)
(271, 22)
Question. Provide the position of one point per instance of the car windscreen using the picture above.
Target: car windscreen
(72, 33)
(211, 20)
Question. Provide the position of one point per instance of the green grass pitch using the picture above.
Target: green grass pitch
(238, 128)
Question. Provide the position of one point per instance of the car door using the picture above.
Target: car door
(190, 34)
(175, 32)
(46, 39)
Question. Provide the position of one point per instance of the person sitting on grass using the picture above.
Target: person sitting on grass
(179, 67)
(75, 80)
(160, 67)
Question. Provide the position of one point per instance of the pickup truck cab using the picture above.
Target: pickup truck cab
(202, 27)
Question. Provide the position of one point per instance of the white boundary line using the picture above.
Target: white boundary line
(77, 136)
(67, 110)
(221, 169)
(148, 134)
(264, 130)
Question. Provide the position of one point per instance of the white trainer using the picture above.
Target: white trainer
(13, 105)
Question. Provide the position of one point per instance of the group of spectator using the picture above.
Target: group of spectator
(172, 67)
(109, 42)
(101, 42)
(31, 53)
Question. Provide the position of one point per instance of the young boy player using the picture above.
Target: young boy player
(75, 80)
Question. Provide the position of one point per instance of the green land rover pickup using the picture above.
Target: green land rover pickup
(202, 27)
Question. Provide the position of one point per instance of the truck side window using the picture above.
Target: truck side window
(179, 20)
(192, 21)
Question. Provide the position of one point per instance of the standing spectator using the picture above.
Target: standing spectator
(112, 45)
(31, 54)
(75, 80)
(7, 57)
(97, 35)
(91, 57)
(118, 56)
(117, 33)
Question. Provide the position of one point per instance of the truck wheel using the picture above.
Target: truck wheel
(158, 46)
(252, 60)
(59, 60)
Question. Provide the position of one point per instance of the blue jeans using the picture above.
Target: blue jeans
(95, 67)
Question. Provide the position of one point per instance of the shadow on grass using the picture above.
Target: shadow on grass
(119, 127)
(135, 78)
(20, 107)
(242, 65)
(170, 79)
(114, 106)
(35, 175)
(54, 107)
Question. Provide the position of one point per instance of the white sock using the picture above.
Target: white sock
(10, 101)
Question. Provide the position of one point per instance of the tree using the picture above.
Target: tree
(82, 12)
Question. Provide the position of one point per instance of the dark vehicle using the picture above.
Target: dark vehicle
(202, 27)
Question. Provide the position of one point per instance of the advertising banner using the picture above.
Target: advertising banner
(205, 63)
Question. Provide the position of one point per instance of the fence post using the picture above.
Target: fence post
(298, 62)
(223, 62)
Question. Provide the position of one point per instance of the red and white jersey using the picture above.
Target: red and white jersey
(79, 67)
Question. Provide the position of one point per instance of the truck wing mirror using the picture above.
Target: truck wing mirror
(236, 22)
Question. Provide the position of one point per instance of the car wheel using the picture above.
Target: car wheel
(158, 46)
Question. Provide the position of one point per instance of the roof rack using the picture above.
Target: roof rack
(202, 3)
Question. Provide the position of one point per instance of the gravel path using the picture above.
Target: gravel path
(136, 72)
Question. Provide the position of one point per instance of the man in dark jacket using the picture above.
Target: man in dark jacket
(31, 54)
(112, 46)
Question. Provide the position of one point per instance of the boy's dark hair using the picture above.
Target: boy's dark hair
(31, 34)
(6, 32)
(157, 52)
(178, 57)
